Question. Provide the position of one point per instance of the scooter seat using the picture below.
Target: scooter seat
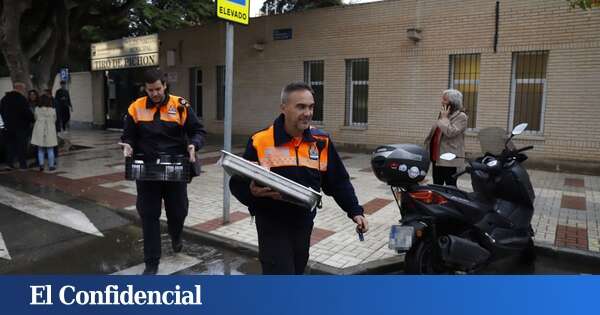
(479, 198)
(474, 206)
(450, 190)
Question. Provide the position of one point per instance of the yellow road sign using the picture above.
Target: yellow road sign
(234, 10)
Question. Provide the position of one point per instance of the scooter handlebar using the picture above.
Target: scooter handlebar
(473, 166)
(525, 149)
(457, 175)
(476, 166)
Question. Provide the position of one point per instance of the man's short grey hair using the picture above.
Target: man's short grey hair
(19, 84)
(293, 87)
(455, 98)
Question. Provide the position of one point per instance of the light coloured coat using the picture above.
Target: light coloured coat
(44, 129)
(452, 138)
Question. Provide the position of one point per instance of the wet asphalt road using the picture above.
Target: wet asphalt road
(38, 246)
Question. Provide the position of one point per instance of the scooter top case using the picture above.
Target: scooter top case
(400, 165)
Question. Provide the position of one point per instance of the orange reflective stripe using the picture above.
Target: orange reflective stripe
(262, 140)
(308, 154)
(139, 112)
(276, 157)
(144, 114)
(271, 156)
(173, 111)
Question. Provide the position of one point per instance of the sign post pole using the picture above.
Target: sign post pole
(232, 11)
(228, 112)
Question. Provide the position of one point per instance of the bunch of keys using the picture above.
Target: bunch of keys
(361, 237)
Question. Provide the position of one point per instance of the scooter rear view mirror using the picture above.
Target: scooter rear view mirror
(448, 156)
(519, 129)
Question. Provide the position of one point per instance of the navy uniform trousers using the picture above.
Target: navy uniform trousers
(283, 249)
(149, 201)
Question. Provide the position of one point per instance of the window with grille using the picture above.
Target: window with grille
(528, 89)
(220, 92)
(196, 90)
(314, 76)
(464, 76)
(357, 92)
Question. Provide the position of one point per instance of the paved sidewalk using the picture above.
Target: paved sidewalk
(567, 205)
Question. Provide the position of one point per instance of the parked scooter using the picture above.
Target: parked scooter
(446, 230)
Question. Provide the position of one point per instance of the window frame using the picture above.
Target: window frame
(513, 89)
(194, 84)
(350, 83)
(307, 79)
(452, 82)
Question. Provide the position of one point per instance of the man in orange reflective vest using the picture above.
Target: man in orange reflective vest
(292, 148)
(161, 123)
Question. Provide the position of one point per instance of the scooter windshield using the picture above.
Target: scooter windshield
(492, 140)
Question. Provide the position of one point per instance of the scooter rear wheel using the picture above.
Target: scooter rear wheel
(529, 255)
(422, 259)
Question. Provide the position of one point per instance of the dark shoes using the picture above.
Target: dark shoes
(52, 169)
(177, 244)
(151, 269)
(41, 168)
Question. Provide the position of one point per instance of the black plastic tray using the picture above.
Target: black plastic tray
(166, 168)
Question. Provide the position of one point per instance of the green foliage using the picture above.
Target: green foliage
(92, 21)
(271, 7)
(583, 4)
(152, 16)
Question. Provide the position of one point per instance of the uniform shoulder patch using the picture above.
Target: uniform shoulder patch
(318, 132)
(183, 102)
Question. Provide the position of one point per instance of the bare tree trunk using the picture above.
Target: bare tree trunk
(54, 51)
(10, 40)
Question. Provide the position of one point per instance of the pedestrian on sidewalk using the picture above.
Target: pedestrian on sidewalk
(292, 148)
(161, 123)
(44, 132)
(33, 98)
(48, 92)
(447, 135)
(63, 106)
(17, 118)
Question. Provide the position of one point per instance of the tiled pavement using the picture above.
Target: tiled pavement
(567, 205)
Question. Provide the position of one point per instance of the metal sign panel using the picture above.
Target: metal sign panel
(64, 74)
(234, 10)
(282, 34)
(125, 53)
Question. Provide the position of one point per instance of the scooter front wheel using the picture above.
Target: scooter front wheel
(422, 259)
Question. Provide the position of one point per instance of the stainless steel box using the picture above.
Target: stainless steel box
(292, 192)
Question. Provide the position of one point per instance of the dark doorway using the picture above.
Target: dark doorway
(122, 87)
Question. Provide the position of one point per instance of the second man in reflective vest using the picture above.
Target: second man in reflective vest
(306, 155)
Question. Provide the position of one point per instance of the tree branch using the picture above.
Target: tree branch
(42, 34)
(80, 14)
(40, 41)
